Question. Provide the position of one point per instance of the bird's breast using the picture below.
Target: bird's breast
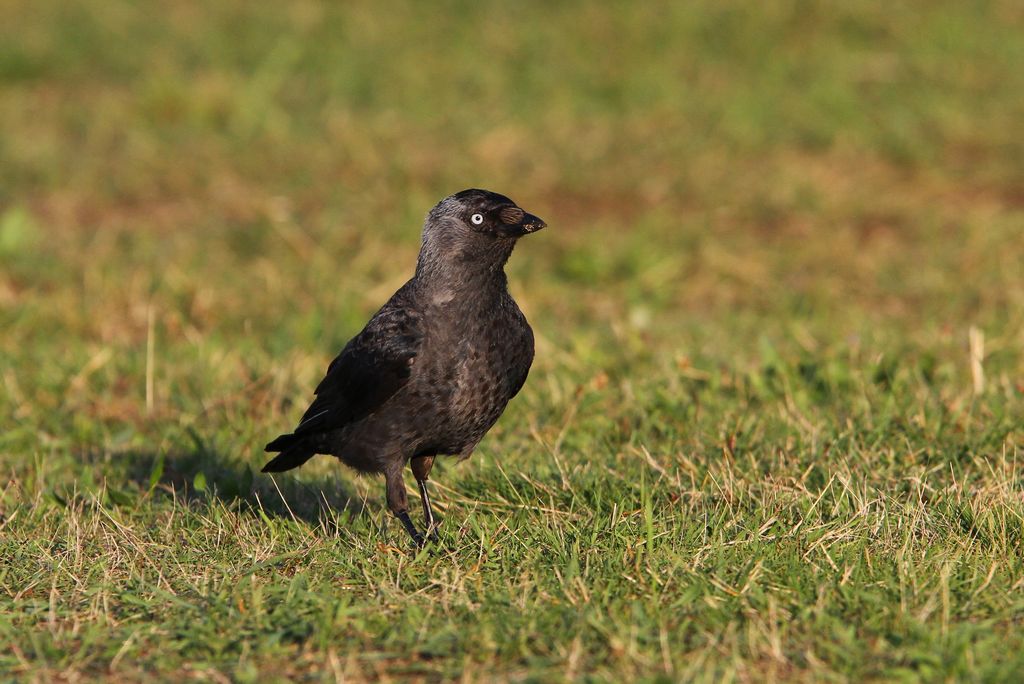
(476, 365)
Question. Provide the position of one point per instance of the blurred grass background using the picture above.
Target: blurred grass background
(771, 229)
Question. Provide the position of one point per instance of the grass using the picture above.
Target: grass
(760, 440)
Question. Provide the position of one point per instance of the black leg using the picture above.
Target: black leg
(411, 529)
(428, 514)
(399, 503)
(421, 466)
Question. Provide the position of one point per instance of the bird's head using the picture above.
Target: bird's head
(470, 234)
(484, 213)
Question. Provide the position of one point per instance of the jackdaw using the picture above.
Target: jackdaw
(434, 368)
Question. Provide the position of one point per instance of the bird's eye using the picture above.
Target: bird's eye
(477, 219)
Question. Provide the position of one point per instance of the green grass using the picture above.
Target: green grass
(752, 445)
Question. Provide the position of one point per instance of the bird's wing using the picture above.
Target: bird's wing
(520, 378)
(374, 365)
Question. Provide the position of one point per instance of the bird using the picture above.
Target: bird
(435, 367)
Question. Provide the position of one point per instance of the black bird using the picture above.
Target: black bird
(434, 368)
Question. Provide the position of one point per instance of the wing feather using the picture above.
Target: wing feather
(371, 368)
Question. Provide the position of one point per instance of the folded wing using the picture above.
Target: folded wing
(371, 368)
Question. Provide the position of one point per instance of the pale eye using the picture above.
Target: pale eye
(477, 219)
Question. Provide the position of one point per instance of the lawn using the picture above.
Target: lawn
(774, 426)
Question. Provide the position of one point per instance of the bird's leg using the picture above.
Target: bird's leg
(421, 466)
(427, 513)
(399, 503)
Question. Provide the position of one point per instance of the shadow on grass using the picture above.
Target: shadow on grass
(200, 474)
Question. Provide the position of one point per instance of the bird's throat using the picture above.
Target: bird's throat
(463, 267)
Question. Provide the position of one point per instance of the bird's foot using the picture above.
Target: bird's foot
(417, 538)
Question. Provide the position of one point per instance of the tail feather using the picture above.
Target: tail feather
(282, 442)
(294, 452)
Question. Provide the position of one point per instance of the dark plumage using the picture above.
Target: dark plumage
(434, 368)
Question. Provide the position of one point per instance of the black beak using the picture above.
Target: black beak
(531, 223)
